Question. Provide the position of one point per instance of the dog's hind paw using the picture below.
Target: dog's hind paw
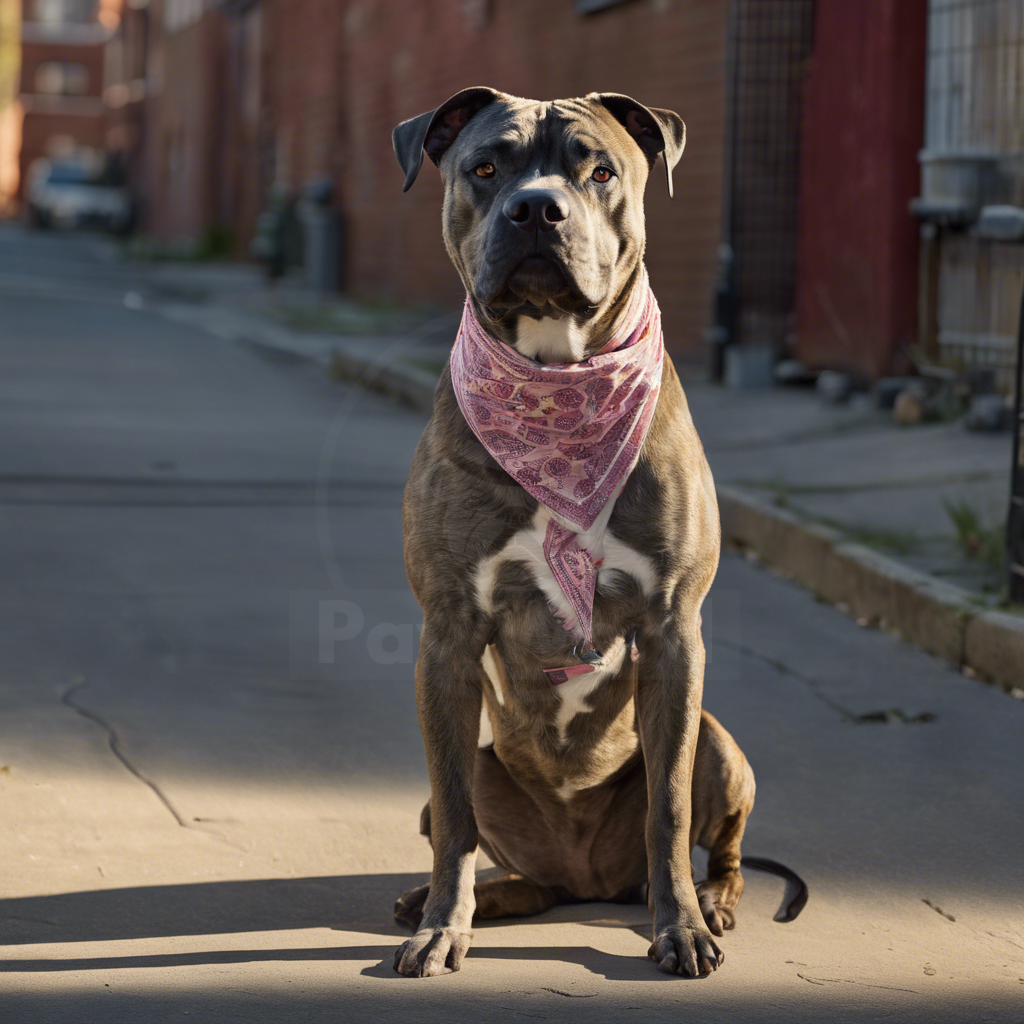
(409, 907)
(718, 918)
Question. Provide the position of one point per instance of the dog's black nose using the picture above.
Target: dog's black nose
(536, 209)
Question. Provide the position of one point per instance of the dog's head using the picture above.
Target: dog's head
(543, 208)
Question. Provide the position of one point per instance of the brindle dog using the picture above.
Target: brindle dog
(599, 788)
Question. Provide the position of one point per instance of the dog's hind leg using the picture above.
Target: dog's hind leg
(723, 797)
(510, 895)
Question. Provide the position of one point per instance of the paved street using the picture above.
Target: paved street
(211, 770)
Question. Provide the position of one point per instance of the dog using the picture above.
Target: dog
(560, 669)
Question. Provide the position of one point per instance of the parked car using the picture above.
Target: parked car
(71, 195)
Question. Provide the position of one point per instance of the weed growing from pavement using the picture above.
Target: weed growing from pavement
(980, 543)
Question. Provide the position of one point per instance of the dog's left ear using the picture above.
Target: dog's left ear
(656, 131)
(436, 130)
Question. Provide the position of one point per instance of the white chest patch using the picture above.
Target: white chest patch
(527, 546)
(574, 693)
(550, 341)
(491, 668)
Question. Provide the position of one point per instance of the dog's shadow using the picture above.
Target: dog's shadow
(350, 903)
(610, 966)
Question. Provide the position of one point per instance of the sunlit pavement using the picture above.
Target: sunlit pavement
(211, 771)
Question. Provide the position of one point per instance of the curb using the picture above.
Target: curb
(409, 385)
(933, 615)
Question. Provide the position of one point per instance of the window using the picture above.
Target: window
(61, 78)
(590, 6)
(179, 14)
(65, 12)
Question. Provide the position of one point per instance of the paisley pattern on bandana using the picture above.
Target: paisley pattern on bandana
(571, 433)
(575, 572)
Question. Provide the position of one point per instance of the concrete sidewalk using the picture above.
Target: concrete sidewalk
(916, 514)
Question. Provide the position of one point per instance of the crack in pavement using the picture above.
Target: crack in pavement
(938, 910)
(857, 718)
(787, 670)
(114, 742)
(853, 981)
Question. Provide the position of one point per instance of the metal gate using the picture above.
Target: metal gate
(1015, 521)
(769, 44)
(972, 167)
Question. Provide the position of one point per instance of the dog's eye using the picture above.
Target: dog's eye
(484, 170)
(602, 174)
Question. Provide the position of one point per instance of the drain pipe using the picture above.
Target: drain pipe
(722, 332)
(1015, 520)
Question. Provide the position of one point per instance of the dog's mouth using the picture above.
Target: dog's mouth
(538, 279)
(537, 286)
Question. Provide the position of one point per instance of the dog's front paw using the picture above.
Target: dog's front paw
(686, 950)
(432, 951)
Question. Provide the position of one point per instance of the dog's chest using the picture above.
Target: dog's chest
(527, 548)
(540, 626)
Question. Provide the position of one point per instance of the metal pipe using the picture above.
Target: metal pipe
(1015, 520)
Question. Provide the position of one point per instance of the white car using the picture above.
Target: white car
(71, 195)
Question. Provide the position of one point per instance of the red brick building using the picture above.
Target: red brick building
(186, 111)
(403, 58)
(247, 94)
(126, 87)
(62, 77)
(804, 120)
(183, 112)
(789, 229)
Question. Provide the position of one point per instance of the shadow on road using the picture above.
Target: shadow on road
(351, 903)
(611, 966)
(345, 903)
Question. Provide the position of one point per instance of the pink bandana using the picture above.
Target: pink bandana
(569, 433)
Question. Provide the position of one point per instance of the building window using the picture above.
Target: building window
(61, 78)
(65, 12)
(180, 14)
(591, 6)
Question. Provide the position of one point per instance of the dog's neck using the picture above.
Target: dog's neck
(551, 341)
(569, 338)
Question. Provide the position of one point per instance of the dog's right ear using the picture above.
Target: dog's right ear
(436, 130)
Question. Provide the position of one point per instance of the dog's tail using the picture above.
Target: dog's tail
(790, 911)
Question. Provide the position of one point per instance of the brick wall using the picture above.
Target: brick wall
(52, 121)
(305, 81)
(345, 74)
(90, 56)
(184, 125)
(246, 169)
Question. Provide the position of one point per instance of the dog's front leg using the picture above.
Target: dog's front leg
(668, 700)
(448, 698)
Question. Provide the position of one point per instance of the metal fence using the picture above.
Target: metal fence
(973, 160)
(770, 42)
(1015, 520)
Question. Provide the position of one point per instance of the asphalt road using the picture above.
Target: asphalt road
(210, 765)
